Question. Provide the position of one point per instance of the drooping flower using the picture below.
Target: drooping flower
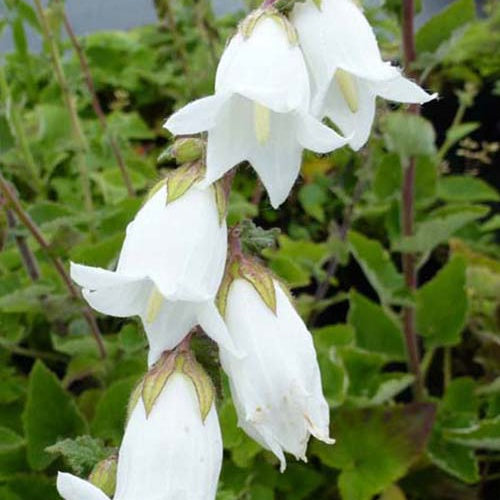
(260, 110)
(346, 67)
(276, 387)
(169, 270)
(171, 450)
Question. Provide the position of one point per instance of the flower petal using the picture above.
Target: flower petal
(229, 140)
(266, 68)
(402, 89)
(181, 246)
(213, 325)
(172, 323)
(339, 36)
(73, 488)
(197, 116)
(356, 126)
(314, 135)
(278, 160)
(110, 292)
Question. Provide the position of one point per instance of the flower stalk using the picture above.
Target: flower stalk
(15, 204)
(408, 215)
(96, 105)
(70, 102)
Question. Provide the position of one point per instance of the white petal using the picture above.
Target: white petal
(73, 488)
(172, 454)
(230, 139)
(173, 322)
(213, 325)
(279, 404)
(265, 68)
(356, 126)
(278, 160)
(196, 116)
(180, 246)
(314, 135)
(338, 36)
(110, 292)
(401, 89)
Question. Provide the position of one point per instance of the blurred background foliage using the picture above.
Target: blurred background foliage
(337, 242)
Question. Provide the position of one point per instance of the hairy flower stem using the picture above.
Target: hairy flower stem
(89, 81)
(70, 102)
(408, 216)
(13, 202)
(29, 260)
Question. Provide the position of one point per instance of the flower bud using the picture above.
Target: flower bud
(103, 475)
(276, 387)
(184, 150)
(171, 264)
(170, 453)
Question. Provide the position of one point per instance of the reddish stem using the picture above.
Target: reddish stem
(408, 214)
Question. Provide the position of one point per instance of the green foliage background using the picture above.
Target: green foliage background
(63, 407)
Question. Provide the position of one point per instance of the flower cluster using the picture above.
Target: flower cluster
(277, 79)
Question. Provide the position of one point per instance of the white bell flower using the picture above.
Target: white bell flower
(170, 454)
(169, 270)
(346, 67)
(276, 386)
(260, 110)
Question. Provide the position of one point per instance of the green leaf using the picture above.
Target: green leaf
(458, 132)
(466, 188)
(441, 26)
(376, 331)
(12, 453)
(111, 410)
(81, 453)
(312, 197)
(440, 229)
(409, 135)
(458, 409)
(34, 487)
(485, 435)
(442, 305)
(377, 265)
(49, 415)
(375, 447)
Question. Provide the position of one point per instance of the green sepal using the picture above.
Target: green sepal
(103, 475)
(261, 279)
(203, 385)
(159, 185)
(248, 25)
(183, 150)
(249, 269)
(155, 380)
(182, 178)
(230, 275)
(221, 200)
(134, 399)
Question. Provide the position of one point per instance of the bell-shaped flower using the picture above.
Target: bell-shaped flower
(260, 110)
(169, 270)
(170, 451)
(276, 387)
(346, 66)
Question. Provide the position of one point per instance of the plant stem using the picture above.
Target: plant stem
(23, 216)
(408, 215)
(29, 260)
(96, 104)
(17, 129)
(70, 102)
